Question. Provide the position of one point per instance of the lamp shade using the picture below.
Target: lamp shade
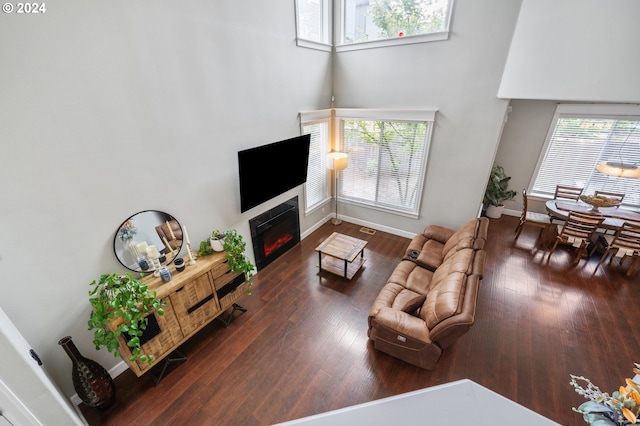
(618, 169)
(337, 161)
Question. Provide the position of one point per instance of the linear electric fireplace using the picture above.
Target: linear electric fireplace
(274, 232)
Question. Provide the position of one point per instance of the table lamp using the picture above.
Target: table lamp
(336, 161)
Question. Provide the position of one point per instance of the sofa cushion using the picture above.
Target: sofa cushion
(462, 238)
(444, 300)
(447, 288)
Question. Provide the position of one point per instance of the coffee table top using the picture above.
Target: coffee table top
(342, 246)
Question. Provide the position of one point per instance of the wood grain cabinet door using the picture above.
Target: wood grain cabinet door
(195, 304)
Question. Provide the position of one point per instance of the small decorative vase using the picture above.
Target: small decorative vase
(91, 381)
(216, 245)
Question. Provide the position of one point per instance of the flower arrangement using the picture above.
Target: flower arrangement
(127, 231)
(622, 407)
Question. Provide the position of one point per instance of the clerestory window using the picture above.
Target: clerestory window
(377, 23)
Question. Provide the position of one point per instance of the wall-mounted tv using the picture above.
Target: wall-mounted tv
(270, 170)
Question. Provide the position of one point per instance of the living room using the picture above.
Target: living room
(113, 108)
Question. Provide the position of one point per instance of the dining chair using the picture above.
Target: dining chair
(625, 243)
(615, 195)
(539, 220)
(577, 231)
(568, 192)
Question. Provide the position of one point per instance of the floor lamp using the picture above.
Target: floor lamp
(336, 161)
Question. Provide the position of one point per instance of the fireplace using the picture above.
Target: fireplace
(274, 232)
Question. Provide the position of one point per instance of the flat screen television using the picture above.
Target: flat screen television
(270, 170)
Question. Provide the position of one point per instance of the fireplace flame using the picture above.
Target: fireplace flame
(277, 244)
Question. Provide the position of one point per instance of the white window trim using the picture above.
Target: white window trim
(308, 118)
(392, 115)
(326, 25)
(398, 41)
(587, 110)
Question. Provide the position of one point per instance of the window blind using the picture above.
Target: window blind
(577, 142)
(316, 189)
(386, 163)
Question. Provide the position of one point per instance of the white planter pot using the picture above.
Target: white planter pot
(216, 245)
(494, 212)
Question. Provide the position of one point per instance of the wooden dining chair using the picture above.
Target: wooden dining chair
(625, 243)
(539, 220)
(568, 192)
(577, 231)
(615, 195)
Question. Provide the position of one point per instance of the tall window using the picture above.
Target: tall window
(580, 137)
(387, 159)
(316, 189)
(375, 23)
(313, 24)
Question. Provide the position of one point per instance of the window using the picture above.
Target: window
(313, 24)
(387, 158)
(316, 189)
(377, 23)
(580, 137)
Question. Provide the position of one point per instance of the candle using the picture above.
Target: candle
(152, 252)
(166, 243)
(186, 236)
(173, 237)
(142, 247)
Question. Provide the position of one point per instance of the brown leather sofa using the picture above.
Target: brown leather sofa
(429, 300)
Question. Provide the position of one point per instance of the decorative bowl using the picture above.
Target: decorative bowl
(596, 201)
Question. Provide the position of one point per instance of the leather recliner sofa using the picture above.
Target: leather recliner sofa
(429, 301)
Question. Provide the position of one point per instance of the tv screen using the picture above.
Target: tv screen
(270, 170)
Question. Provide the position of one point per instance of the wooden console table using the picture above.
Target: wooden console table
(195, 297)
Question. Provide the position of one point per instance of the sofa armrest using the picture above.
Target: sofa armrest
(404, 324)
(438, 233)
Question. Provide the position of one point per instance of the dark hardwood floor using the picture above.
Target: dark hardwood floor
(302, 347)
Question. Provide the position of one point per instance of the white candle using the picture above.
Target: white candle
(186, 236)
(173, 237)
(152, 252)
(166, 243)
(142, 247)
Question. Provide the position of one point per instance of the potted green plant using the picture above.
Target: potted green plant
(216, 240)
(496, 192)
(121, 305)
(234, 247)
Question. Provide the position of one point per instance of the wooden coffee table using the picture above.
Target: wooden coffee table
(341, 255)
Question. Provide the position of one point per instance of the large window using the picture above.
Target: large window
(376, 23)
(316, 189)
(387, 158)
(580, 137)
(313, 24)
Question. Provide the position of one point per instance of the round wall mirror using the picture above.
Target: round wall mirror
(142, 230)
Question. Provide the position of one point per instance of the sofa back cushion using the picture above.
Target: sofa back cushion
(447, 288)
(461, 239)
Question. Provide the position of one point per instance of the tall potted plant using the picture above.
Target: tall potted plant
(496, 192)
(121, 305)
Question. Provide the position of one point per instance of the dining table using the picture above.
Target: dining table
(614, 217)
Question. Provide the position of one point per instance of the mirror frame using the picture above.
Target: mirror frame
(151, 227)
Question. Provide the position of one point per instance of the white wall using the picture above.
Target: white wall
(109, 108)
(458, 77)
(564, 51)
(578, 50)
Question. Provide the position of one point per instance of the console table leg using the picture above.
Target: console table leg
(175, 356)
(227, 321)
